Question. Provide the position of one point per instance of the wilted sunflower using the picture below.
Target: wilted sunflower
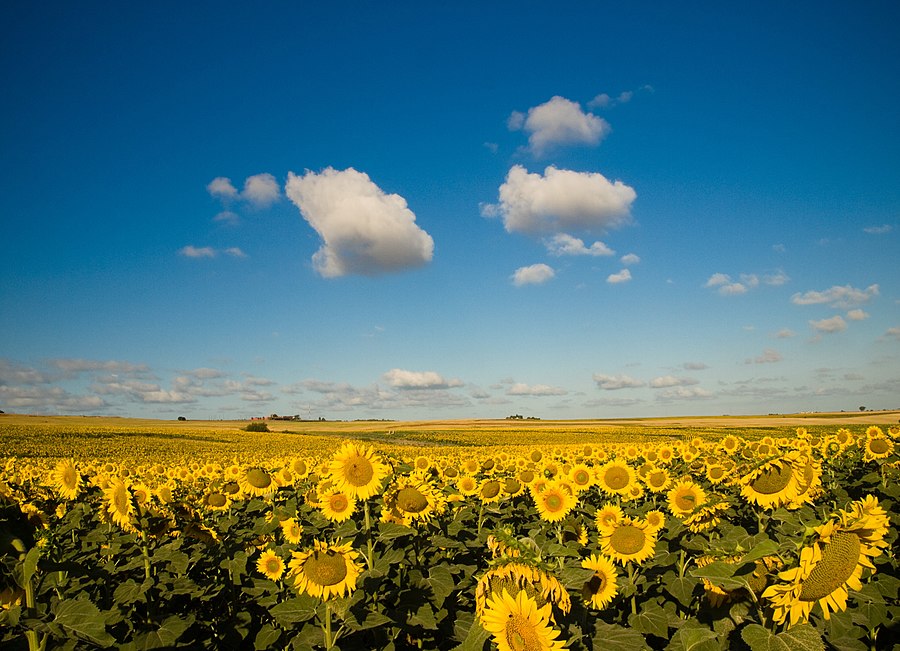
(684, 497)
(615, 477)
(706, 517)
(326, 571)
(270, 564)
(601, 588)
(832, 564)
(119, 505)
(630, 540)
(358, 471)
(257, 482)
(519, 576)
(66, 480)
(518, 624)
(336, 506)
(554, 502)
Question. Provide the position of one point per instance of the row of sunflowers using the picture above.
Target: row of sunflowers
(695, 543)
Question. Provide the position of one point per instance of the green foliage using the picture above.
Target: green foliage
(257, 426)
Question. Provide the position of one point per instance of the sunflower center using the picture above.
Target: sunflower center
(359, 471)
(490, 489)
(258, 478)
(273, 565)
(686, 500)
(581, 477)
(411, 500)
(216, 499)
(656, 479)
(511, 486)
(521, 634)
(338, 502)
(325, 568)
(553, 502)
(716, 472)
(69, 478)
(594, 585)
(120, 500)
(838, 562)
(627, 539)
(526, 476)
(773, 480)
(616, 478)
(879, 446)
(299, 467)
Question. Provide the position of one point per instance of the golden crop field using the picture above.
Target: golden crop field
(768, 532)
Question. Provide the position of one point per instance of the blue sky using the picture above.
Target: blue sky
(405, 211)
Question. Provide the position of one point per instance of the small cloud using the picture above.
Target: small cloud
(717, 280)
(769, 356)
(684, 393)
(622, 277)
(694, 366)
(535, 274)
(667, 381)
(853, 377)
(838, 296)
(261, 190)
(779, 248)
(776, 279)
(558, 121)
(561, 201)
(785, 333)
(221, 188)
(616, 382)
(235, 252)
(563, 244)
(834, 324)
(227, 217)
(364, 230)
(191, 251)
(857, 315)
(519, 389)
(724, 285)
(879, 230)
(491, 147)
(892, 333)
(630, 258)
(403, 379)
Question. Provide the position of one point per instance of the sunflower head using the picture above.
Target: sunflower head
(325, 571)
(601, 588)
(629, 540)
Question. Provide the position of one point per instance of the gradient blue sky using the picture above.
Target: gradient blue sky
(396, 210)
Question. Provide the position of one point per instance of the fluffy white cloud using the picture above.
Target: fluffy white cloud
(221, 188)
(666, 381)
(364, 230)
(563, 244)
(560, 201)
(559, 121)
(769, 356)
(622, 277)
(261, 190)
(402, 379)
(227, 217)
(630, 258)
(532, 275)
(776, 279)
(838, 296)
(614, 382)
(725, 286)
(235, 252)
(191, 251)
(520, 389)
(834, 324)
(857, 315)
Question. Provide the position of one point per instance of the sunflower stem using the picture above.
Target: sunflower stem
(327, 628)
(633, 588)
(370, 557)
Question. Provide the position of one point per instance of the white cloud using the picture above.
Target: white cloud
(558, 121)
(666, 381)
(261, 190)
(563, 244)
(684, 393)
(402, 379)
(785, 333)
(614, 382)
(630, 258)
(769, 356)
(776, 279)
(74, 366)
(834, 324)
(725, 286)
(857, 315)
(235, 252)
(221, 188)
(893, 333)
(561, 201)
(520, 389)
(535, 274)
(717, 280)
(838, 296)
(694, 366)
(364, 230)
(879, 230)
(191, 251)
(227, 217)
(622, 277)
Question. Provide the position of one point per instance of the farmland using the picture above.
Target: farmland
(755, 532)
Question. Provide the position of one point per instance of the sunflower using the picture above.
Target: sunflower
(518, 624)
(831, 564)
(657, 480)
(291, 530)
(512, 487)
(471, 466)
(666, 454)
(716, 473)
(257, 482)
(489, 491)
(629, 540)
(580, 477)
(270, 564)
(336, 506)
(119, 505)
(358, 471)
(706, 517)
(776, 482)
(655, 520)
(685, 497)
(215, 501)
(411, 499)
(878, 447)
(515, 575)
(467, 485)
(601, 588)
(554, 502)
(615, 477)
(325, 571)
(299, 467)
(65, 479)
(422, 464)
(608, 516)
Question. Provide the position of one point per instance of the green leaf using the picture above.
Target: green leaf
(574, 578)
(760, 550)
(651, 620)
(129, 592)
(172, 628)
(475, 638)
(83, 619)
(390, 531)
(612, 637)
(682, 588)
(424, 617)
(694, 636)
(291, 611)
(372, 620)
(441, 582)
(797, 638)
(266, 638)
(29, 565)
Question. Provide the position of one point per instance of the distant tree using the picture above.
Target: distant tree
(257, 426)
(862, 408)
(182, 418)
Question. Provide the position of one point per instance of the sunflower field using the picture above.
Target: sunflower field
(770, 541)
